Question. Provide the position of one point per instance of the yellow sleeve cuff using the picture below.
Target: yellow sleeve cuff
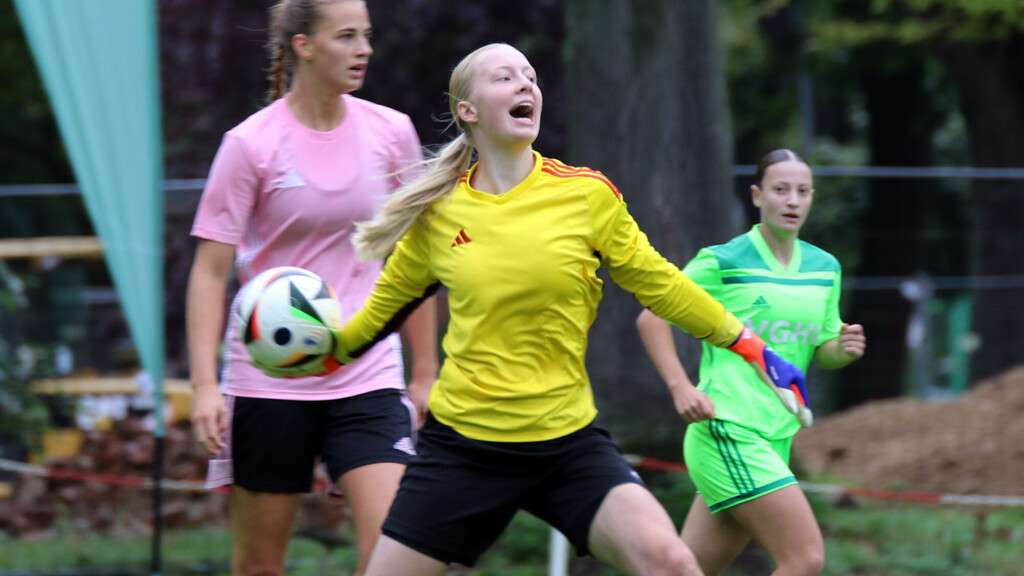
(727, 331)
(341, 354)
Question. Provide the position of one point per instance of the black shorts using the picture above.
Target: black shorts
(275, 443)
(458, 494)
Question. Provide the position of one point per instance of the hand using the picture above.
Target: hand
(209, 417)
(419, 395)
(787, 381)
(789, 384)
(852, 341)
(692, 404)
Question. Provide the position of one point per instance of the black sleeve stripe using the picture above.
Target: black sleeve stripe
(396, 320)
(299, 301)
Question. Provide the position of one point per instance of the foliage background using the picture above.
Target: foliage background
(844, 82)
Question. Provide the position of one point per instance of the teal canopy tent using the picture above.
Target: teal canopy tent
(98, 60)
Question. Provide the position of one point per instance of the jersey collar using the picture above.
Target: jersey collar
(755, 236)
(516, 190)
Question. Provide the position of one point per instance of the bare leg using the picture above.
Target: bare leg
(634, 533)
(715, 539)
(261, 525)
(783, 523)
(370, 490)
(391, 558)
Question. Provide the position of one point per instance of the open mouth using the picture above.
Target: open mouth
(522, 111)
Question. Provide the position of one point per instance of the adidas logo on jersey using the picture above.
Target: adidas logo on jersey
(291, 179)
(405, 445)
(760, 303)
(461, 238)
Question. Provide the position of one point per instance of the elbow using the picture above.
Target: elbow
(645, 319)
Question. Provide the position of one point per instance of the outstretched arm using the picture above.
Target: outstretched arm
(636, 266)
(406, 282)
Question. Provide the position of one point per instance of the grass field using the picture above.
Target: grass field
(861, 539)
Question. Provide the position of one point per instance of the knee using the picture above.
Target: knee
(814, 561)
(672, 558)
(808, 562)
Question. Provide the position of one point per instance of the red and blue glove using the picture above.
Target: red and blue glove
(786, 380)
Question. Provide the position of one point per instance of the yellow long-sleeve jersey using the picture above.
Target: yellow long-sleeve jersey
(521, 273)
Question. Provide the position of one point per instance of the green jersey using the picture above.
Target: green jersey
(794, 308)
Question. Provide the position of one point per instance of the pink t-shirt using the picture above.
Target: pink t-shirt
(286, 195)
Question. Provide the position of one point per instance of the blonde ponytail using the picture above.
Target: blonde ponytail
(374, 239)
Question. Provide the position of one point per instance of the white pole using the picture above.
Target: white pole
(558, 557)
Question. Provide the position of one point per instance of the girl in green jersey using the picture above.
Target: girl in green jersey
(738, 442)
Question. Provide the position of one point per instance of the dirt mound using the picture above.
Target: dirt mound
(971, 445)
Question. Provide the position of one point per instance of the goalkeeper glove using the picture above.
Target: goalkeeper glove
(786, 380)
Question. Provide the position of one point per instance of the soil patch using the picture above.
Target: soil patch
(971, 445)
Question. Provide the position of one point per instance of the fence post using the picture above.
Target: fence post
(919, 291)
(962, 342)
(558, 554)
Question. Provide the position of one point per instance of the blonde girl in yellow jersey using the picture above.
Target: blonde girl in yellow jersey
(517, 239)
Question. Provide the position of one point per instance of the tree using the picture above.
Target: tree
(990, 82)
(32, 147)
(648, 107)
(972, 44)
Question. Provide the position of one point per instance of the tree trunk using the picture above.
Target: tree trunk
(991, 86)
(900, 131)
(648, 107)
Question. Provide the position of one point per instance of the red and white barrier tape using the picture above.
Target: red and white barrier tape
(836, 491)
(112, 479)
(831, 490)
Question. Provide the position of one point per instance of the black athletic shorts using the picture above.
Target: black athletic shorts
(275, 443)
(458, 494)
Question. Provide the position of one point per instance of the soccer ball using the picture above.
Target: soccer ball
(285, 314)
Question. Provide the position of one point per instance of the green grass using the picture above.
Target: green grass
(908, 540)
(68, 549)
(861, 539)
(194, 551)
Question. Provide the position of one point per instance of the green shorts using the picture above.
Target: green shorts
(731, 464)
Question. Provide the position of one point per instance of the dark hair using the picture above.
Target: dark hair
(774, 157)
(287, 18)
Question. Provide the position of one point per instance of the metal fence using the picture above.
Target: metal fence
(75, 301)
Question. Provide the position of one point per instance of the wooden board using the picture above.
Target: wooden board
(60, 246)
(104, 385)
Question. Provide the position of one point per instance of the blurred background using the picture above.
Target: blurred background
(909, 111)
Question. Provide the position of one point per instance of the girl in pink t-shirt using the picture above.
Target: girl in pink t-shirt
(285, 189)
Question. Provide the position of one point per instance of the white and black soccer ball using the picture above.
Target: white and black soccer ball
(285, 317)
